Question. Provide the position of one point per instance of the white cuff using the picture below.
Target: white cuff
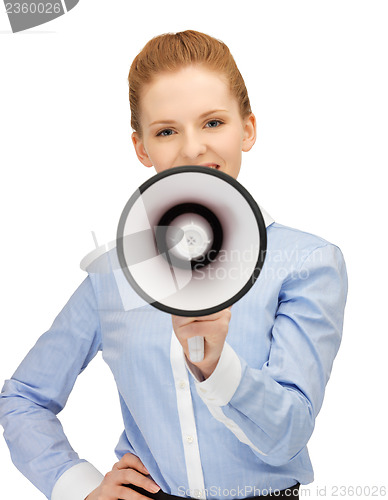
(220, 387)
(77, 482)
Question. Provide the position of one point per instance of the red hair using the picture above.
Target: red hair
(172, 51)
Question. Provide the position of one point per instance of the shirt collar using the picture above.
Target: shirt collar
(268, 220)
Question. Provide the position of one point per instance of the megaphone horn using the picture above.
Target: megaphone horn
(191, 241)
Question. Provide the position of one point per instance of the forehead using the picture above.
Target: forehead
(187, 92)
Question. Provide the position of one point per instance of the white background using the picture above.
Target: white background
(317, 77)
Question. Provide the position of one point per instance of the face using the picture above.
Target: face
(190, 117)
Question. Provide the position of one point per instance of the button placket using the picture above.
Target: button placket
(187, 419)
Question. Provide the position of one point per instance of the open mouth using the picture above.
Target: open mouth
(211, 165)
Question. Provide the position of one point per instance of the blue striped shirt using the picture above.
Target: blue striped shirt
(243, 430)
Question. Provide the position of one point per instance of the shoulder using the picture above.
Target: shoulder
(99, 259)
(101, 266)
(110, 285)
(284, 238)
(294, 248)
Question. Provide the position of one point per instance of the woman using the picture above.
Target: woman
(237, 423)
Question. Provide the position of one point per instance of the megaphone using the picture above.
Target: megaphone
(191, 241)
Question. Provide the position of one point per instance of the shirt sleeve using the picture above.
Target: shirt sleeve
(39, 389)
(273, 409)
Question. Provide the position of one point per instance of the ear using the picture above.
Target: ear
(140, 150)
(249, 138)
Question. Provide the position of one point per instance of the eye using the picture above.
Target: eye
(213, 123)
(165, 133)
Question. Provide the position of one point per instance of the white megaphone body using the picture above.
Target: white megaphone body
(191, 241)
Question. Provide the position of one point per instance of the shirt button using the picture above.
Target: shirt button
(189, 439)
(182, 384)
(202, 390)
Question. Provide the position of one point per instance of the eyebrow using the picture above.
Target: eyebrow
(201, 117)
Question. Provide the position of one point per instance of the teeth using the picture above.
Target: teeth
(214, 165)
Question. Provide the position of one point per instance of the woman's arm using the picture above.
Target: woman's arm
(39, 389)
(273, 409)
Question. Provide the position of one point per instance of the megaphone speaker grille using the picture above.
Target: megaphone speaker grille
(201, 235)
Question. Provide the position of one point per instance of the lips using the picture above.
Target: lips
(210, 165)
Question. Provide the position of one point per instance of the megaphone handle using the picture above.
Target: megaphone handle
(196, 349)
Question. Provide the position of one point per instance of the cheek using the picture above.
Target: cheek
(161, 155)
(230, 143)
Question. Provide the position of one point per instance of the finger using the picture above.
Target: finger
(203, 329)
(130, 476)
(180, 321)
(130, 494)
(215, 316)
(130, 461)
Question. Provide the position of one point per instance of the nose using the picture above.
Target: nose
(193, 146)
